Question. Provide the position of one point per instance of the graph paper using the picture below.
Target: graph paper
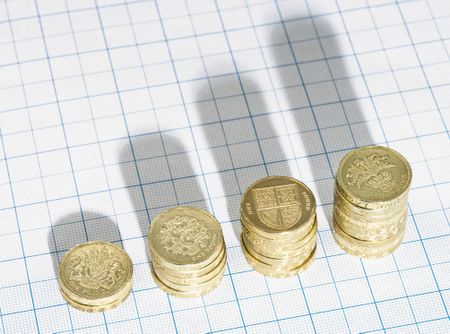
(112, 111)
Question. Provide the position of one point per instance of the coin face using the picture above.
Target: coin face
(95, 270)
(185, 236)
(278, 204)
(374, 174)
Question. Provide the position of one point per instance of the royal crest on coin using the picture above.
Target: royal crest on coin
(374, 171)
(278, 207)
(186, 236)
(96, 270)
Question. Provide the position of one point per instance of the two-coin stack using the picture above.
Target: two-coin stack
(370, 201)
(95, 276)
(188, 251)
(279, 226)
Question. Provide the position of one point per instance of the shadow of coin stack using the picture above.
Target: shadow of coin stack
(370, 201)
(279, 226)
(188, 251)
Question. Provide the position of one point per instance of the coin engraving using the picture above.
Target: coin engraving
(279, 207)
(186, 236)
(372, 170)
(95, 271)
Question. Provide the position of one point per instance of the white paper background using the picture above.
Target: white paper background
(112, 111)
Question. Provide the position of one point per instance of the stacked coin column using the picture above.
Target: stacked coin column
(279, 227)
(370, 201)
(188, 251)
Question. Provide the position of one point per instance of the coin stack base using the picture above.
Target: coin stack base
(95, 276)
(279, 227)
(370, 201)
(188, 252)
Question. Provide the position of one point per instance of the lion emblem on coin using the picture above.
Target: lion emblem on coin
(187, 236)
(96, 269)
(374, 170)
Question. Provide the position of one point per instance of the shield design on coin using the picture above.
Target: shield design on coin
(278, 207)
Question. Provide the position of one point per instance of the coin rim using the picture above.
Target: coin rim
(196, 287)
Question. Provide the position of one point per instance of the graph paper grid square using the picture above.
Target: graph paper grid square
(114, 110)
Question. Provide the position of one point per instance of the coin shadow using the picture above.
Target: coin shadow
(79, 227)
(320, 88)
(158, 174)
(239, 134)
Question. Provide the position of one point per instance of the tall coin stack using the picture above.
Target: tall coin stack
(188, 251)
(279, 226)
(370, 201)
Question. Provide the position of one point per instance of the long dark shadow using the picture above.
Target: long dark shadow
(159, 175)
(316, 80)
(75, 228)
(239, 133)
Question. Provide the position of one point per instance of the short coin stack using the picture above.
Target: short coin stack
(370, 201)
(188, 251)
(95, 276)
(279, 226)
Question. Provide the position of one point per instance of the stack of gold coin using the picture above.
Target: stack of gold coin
(370, 201)
(95, 276)
(279, 226)
(188, 251)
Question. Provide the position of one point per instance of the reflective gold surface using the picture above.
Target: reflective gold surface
(188, 251)
(96, 275)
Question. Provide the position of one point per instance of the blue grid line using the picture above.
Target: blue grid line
(422, 151)
(130, 2)
(187, 177)
(201, 175)
(215, 33)
(30, 290)
(231, 247)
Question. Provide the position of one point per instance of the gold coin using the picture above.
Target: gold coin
(368, 214)
(185, 238)
(278, 207)
(193, 281)
(268, 247)
(286, 238)
(92, 309)
(373, 177)
(281, 262)
(270, 271)
(95, 273)
(189, 274)
(370, 231)
(184, 294)
(367, 249)
(192, 288)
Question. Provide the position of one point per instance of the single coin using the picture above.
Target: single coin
(193, 281)
(373, 176)
(282, 262)
(367, 249)
(183, 294)
(278, 207)
(95, 273)
(270, 271)
(92, 309)
(185, 237)
(189, 274)
(370, 232)
(192, 288)
(369, 214)
(268, 247)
